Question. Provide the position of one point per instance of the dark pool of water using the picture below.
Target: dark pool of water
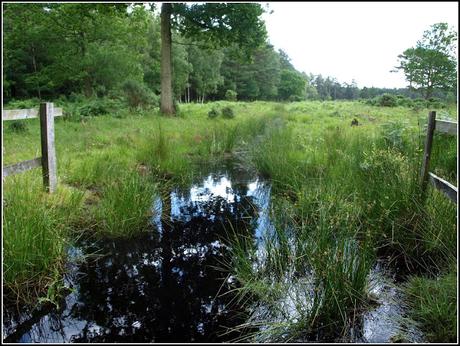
(169, 284)
(163, 286)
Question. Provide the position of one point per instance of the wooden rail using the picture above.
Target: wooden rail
(447, 188)
(448, 127)
(22, 166)
(18, 114)
(46, 113)
(444, 126)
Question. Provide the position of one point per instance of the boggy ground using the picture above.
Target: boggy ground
(342, 196)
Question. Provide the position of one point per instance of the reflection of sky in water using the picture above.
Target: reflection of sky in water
(217, 187)
(383, 322)
(378, 324)
(218, 196)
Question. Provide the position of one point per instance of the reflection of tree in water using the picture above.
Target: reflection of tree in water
(158, 287)
(148, 291)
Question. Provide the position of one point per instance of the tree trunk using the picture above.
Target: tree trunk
(34, 62)
(429, 92)
(166, 100)
(87, 86)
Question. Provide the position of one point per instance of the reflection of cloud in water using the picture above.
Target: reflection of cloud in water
(159, 289)
(211, 187)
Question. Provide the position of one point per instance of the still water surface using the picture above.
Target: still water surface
(169, 285)
(162, 286)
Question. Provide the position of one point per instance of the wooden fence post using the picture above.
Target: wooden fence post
(48, 149)
(427, 151)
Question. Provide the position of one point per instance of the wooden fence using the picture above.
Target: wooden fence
(46, 113)
(448, 127)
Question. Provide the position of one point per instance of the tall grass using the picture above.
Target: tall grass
(433, 304)
(353, 194)
(125, 206)
(342, 195)
(35, 234)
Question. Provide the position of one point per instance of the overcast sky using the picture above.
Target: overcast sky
(353, 40)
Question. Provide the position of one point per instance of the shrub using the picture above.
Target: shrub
(420, 103)
(404, 101)
(74, 97)
(371, 102)
(387, 100)
(213, 113)
(23, 104)
(18, 126)
(434, 102)
(227, 112)
(138, 95)
(96, 107)
(295, 98)
(230, 95)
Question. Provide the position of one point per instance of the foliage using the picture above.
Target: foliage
(227, 112)
(205, 77)
(230, 95)
(387, 100)
(138, 95)
(213, 113)
(291, 84)
(96, 107)
(82, 50)
(432, 64)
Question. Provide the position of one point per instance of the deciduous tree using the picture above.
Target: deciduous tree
(210, 23)
(431, 65)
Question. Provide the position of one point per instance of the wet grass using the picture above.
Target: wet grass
(116, 167)
(125, 206)
(433, 303)
(35, 232)
(342, 195)
(352, 194)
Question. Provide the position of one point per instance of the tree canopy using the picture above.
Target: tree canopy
(114, 50)
(213, 24)
(431, 65)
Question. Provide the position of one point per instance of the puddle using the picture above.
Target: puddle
(385, 322)
(167, 285)
(163, 286)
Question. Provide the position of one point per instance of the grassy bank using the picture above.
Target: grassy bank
(342, 196)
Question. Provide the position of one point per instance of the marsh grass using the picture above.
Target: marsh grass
(36, 230)
(341, 196)
(353, 194)
(125, 206)
(432, 303)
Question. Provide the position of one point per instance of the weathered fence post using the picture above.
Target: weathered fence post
(48, 149)
(427, 151)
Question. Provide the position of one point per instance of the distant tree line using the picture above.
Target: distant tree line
(99, 50)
